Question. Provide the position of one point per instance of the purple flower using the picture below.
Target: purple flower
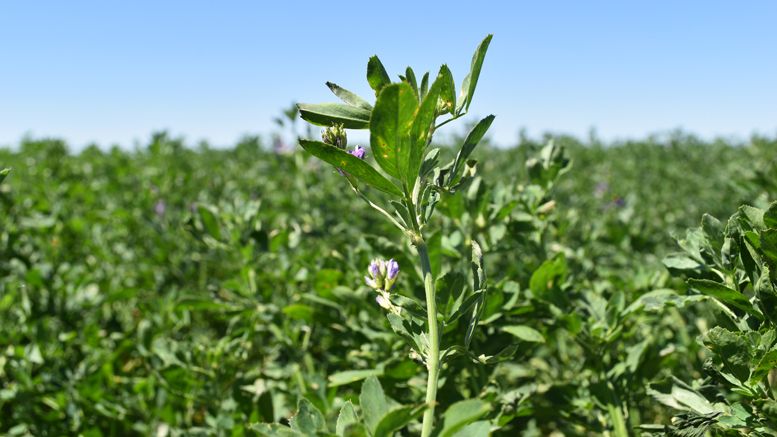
(358, 152)
(160, 207)
(392, 271)
(393, 268)
(377, 274)
(382, 274)
(375, 267)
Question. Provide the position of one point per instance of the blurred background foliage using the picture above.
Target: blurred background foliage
(170, 290)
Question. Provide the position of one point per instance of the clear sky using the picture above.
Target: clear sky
(113, 72)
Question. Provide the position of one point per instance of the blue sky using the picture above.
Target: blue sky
(113, 72)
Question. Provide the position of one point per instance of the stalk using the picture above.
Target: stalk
(433, 358)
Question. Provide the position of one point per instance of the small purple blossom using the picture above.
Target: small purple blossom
(358, 152)
(377, 274)
(393, 269)
(160, 207)
(375, 267)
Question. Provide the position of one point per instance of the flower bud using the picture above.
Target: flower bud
(371, 282)
(383, 302)
(392, 271)
(376, 277)
(374, 267)
(335, 135)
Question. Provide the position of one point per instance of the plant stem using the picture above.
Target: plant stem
(449, 120)
(377, 208)
(433, 357)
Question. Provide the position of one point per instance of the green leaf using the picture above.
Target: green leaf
(298, 311)
(411, 80)
(766, 293)
(713, 230)
(450, 293)
(722, 293)
(349, 97)
(346, 418)
(424, 85)
(754, 215)
(770, 216)
(397, 418)
(328, 114)
(679, 261)
(766, 364)
(430, 162)
(549, 276)
(3, 173)
(478, 272)
(551, 163)
(350, 164)
(209, 221)
(203, 304)
(390, 127)
(376, 75)
(525, 333)
(462, 413)
(308, 419)
(420, 133)
(684, 400)
(349, 376)
(356, 430)
(768, 242)
(447, 89)
(471, 81)
(373, 402)
(473, 138)
(475, 429)
(479, 288)
(273, 430)
(731, 349)
(657, 300)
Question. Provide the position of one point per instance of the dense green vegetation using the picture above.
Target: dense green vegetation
(169, 290)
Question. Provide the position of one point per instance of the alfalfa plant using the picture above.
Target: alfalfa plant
(402, 123)
(732, 266)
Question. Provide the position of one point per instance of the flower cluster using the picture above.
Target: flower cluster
(382, 276)
(335, 135)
